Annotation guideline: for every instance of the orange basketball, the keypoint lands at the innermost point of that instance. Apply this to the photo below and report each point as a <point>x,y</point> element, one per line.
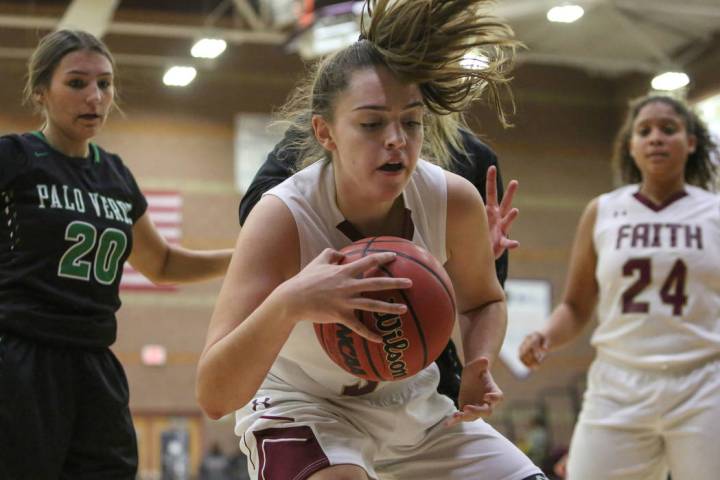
<point>411,341</point>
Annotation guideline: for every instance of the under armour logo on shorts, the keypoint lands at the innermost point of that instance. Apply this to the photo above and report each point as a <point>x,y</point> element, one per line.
<point>260,403</point>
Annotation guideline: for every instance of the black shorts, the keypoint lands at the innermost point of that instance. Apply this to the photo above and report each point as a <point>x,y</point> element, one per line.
<point>63,413</point>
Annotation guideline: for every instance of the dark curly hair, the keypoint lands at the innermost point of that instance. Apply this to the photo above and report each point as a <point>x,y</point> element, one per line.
<point>699,170</point>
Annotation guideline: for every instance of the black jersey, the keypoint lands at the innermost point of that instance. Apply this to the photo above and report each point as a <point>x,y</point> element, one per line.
<point>65,232</point>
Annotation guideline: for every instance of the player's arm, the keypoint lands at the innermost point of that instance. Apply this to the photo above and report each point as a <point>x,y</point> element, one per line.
<point>480,298</point>
<point>579,298</point>
<point>248,329</point>
<point>163,263</point>
<point>264,296</point>
<point>471,267</point>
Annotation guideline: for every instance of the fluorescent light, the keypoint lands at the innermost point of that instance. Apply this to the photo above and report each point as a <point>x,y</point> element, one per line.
<point>670,81</point>
<point>565,13</point>
<point>179,76</point>
<point>208,48</point>
<point>474,61</point>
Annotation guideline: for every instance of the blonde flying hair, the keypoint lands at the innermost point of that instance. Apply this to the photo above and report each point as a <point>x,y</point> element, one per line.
<point>421,42</point>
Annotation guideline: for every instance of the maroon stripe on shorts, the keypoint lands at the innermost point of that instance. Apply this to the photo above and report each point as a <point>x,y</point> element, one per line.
<point>290,453</point>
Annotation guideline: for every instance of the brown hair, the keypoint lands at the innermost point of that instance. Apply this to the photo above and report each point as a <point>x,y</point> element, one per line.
<point>422,42</point>
<point>51,49</point>
<point>699,169</point>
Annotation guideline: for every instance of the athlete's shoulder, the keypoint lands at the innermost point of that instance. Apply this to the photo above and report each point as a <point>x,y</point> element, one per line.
<point>111,162</point>
<point>701,200</point>
<point>463,199</point>
<point>19,144</point>
<point>10,146</point>
<point>429,173</point>
<point>615,198</point>
<point>103,156</point>
<point>701,193</point>
<point>15,151</point>
<point>622,192</point>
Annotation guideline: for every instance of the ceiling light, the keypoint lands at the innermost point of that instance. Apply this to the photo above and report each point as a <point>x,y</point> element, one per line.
<point>565,13</point>
<point>670,81</point>
<point>208,48</point>
<point>179,76</point>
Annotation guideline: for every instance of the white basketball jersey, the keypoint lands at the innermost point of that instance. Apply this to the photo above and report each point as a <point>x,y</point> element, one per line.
<point>310,196</point>
<point>658,270</point>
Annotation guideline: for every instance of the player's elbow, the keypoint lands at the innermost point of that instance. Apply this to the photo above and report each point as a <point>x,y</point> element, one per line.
<point>210,404</point>
<point>580,313</point>
<point>154,268</point>
<point>158,278</point>
<point>213,414</point>
<point>216,395</point>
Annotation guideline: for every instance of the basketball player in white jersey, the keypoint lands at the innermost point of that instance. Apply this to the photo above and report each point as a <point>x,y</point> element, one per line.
<point>648,255</point>
<point>366,110</point>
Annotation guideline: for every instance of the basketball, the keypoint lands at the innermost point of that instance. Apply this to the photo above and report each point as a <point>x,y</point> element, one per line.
<point>411,341</point>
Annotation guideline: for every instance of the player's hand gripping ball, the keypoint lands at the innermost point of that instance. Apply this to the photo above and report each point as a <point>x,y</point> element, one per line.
<point>410,342</point>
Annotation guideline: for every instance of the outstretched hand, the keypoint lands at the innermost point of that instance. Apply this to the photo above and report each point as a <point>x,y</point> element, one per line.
<point>500,216</point>
<point>328,292</point>
<point>478,393</point>
<point>533,349</point>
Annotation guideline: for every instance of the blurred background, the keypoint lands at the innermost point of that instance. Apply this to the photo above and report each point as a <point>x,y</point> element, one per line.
<point>194,129</point>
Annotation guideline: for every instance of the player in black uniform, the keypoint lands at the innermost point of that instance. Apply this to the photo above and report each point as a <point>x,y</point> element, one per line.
<point>473,163</point>
<point>71,215</point>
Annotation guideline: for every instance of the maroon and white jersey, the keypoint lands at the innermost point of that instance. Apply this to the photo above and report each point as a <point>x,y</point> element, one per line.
<point>310,197</point>
<point>658,271</point>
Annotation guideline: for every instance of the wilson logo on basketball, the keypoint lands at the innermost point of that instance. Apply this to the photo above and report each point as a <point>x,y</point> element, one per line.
<point>394,344</point>
<point>408,342</point>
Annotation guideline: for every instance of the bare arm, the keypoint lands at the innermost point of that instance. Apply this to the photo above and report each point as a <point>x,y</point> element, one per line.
<point>226,378</point>
<point>161,262</point>
<point>471,267</point>
<point>480,298</point>
<point>579,299</point>
<point>264,296</point>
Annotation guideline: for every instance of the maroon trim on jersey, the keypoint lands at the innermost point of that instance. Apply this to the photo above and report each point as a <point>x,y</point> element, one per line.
<point>349,230</point>
<point>654,206</point>
<point>291,453</point>
<point>275,417</point>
